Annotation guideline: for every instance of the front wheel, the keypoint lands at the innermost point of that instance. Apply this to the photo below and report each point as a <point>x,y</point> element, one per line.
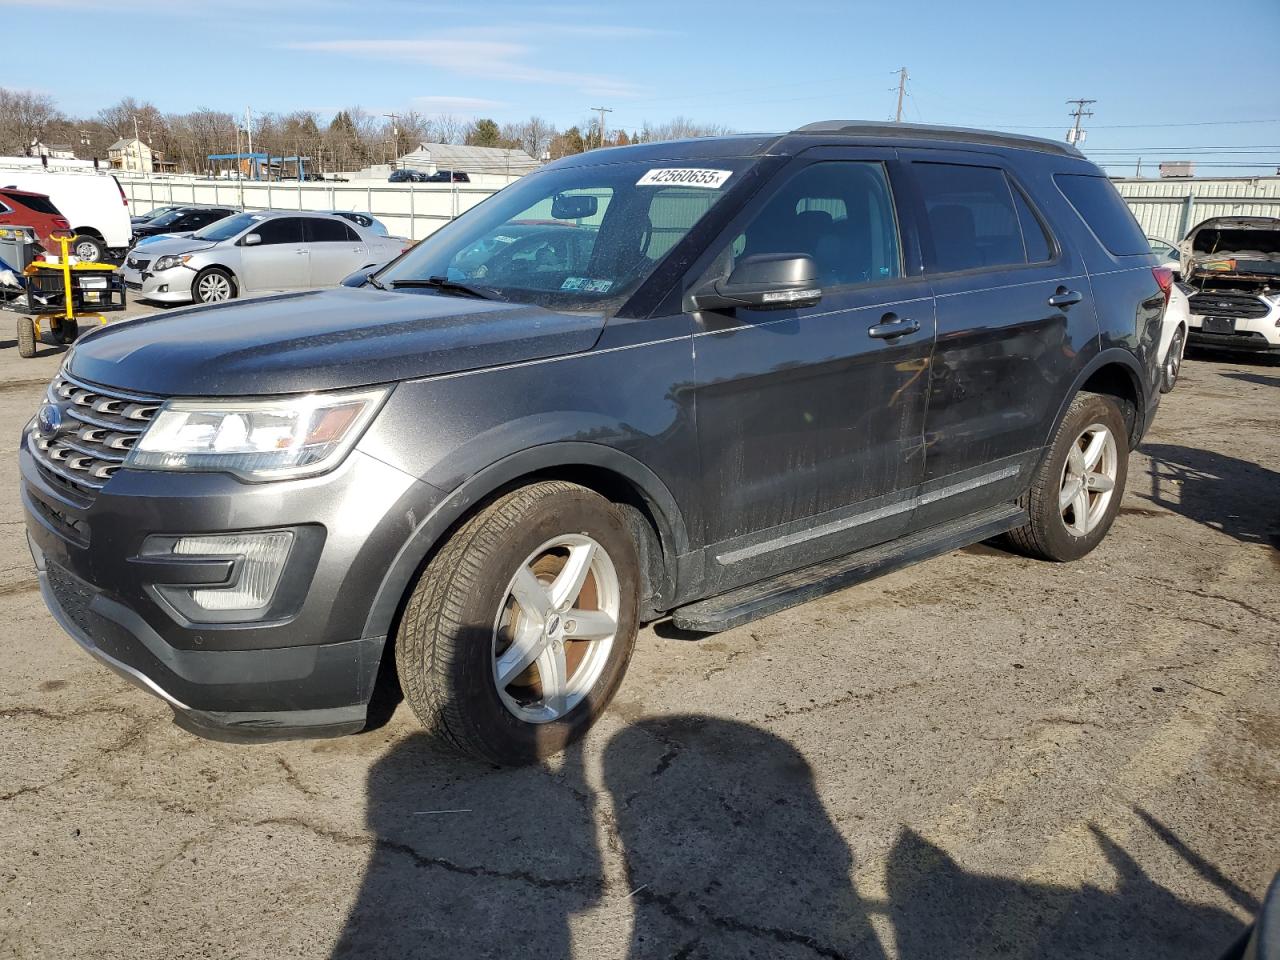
<point>518,632</point>
<point>212,285</point>
<point>26,338</point>
<point>1077,488</point>
<point>88,248</point>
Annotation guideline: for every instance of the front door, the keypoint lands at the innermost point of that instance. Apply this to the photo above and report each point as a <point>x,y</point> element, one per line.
<point>1014,307</point>
<point>280,261</point>
<point>810,421</point>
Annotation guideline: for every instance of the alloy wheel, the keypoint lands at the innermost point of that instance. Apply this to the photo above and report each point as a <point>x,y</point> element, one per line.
<point>214,288</point>
<point>1088,479</point>
<point>555,628</point>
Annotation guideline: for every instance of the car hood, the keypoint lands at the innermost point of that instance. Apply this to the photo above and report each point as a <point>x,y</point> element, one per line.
<point>160,244</point>
<point>321,340</point>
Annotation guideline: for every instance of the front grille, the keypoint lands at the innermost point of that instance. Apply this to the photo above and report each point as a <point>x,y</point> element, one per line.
<point>1241,306</point>
<point>99,429</point>
<point>72,595</point>
<point>137,263</point>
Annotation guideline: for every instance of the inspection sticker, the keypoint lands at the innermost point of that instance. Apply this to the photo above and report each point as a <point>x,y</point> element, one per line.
<point>685,177</point>
<point>586,285</point>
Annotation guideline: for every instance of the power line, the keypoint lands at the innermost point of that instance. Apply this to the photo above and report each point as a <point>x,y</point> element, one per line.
<point>902,87</point>
<point>602,111</point>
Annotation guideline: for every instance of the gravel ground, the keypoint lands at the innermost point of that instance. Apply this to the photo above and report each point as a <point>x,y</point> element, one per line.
<point>979,755</point>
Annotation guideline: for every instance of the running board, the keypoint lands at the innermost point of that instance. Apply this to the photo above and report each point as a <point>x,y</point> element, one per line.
<point>756,600</point>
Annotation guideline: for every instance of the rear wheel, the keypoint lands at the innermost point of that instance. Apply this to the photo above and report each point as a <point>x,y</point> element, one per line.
<point>88,248</point>
<point>1077,488</point>
<point>26,337</point>
<point>1172,361</point>
<point>520,629</point>
<point>212,285</point>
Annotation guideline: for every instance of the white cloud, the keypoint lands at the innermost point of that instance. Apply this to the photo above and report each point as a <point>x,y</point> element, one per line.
<point>475,53</point>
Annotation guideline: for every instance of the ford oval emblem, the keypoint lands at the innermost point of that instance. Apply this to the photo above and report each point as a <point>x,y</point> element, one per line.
<point>49,420</point>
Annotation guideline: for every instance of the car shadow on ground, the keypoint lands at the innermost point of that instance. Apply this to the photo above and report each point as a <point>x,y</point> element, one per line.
<point>1237,497</point>
<point>1262,379</point>
<point>728,851</point>
<point>1233,356</point>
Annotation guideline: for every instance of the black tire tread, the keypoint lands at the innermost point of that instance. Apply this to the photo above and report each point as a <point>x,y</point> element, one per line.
<point>432,624</point>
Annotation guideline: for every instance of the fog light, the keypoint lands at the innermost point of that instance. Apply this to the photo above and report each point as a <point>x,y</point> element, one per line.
<point>262,558</point>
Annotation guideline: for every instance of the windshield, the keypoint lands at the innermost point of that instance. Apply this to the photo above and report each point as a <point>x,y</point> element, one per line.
<point>166,218</point>
<point>580,238</point>
<point>228,228</point>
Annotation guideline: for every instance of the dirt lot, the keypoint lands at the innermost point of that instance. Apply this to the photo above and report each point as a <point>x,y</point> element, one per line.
<point>981,755</point>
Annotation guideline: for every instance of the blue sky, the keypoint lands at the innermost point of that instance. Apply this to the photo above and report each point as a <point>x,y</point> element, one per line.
<point>750,64</point>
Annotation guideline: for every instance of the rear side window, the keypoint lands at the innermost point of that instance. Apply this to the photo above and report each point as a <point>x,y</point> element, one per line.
<point>971,217</point>
<point>1100,206</point>
<point>38,204</point>
<point>329,231</point>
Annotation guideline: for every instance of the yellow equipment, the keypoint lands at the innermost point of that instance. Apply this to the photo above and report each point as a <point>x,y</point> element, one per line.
<point>71,287</point>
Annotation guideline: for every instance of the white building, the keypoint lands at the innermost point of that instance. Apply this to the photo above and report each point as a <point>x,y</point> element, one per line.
<point>495,161</point>
<point>54,151</point>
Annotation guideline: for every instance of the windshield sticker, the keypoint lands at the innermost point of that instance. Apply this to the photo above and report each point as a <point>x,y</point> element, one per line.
<point>586,285</point>
<point>503,239</point>
<point>685,177</point>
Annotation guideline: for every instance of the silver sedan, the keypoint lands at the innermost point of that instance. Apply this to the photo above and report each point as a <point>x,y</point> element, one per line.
<point>251,252</point>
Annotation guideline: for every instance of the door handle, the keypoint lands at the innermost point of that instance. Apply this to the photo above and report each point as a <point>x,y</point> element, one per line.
<point>891,326</point>
<point>1065,297</point>
<point>301,253</point>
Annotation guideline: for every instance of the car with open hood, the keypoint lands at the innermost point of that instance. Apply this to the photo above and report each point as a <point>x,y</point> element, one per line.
<point>705,380</point>
<point>1232,265</point>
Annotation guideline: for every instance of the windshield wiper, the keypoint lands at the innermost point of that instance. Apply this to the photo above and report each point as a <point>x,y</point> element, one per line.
<point>374,282</point>
<point>446,285</point>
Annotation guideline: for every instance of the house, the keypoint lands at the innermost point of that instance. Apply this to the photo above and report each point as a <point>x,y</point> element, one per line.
<point>131,155</point>
<point>54,151</point>
<point>430,157</point>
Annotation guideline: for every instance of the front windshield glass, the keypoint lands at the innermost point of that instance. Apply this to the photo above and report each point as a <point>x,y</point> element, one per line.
<point>579,238</point>
<point>166,218</point>
<point>228,228</point>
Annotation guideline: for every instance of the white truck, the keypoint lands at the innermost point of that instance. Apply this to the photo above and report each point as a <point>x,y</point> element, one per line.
<point>92,201</point>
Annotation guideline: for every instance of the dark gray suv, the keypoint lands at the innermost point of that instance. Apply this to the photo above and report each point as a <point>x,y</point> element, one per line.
<point>707,379</point>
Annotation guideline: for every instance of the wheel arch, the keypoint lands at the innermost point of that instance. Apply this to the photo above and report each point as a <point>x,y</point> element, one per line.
<point>90,232</point>
<point>651,511</point>
<point>235,280</point>
<point>1115,373</point>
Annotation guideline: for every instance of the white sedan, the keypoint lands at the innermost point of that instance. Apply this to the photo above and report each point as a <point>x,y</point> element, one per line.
<point>250,252</point>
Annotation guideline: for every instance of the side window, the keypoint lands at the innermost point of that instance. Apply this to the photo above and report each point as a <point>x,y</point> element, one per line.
<point>839,212</point>
<point>1108,216</point>
<point>970,215</point>
<point>280,230</point>
<point>328,231</point>
<point>1034,236</point>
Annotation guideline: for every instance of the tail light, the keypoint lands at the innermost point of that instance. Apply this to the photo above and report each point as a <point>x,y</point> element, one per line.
<point>1164,277</point>
<point>61,223</point>
<point>123,198</point>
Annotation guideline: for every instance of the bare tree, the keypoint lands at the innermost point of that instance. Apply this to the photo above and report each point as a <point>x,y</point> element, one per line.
<point>24,117</point>
<point>680,128</point>
<point>447,128</point>
<point>535,136</point>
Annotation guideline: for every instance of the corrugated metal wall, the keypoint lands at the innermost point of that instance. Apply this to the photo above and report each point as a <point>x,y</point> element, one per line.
<point>1167,209</point>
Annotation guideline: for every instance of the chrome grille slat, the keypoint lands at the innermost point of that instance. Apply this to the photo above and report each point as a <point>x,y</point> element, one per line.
<point>102,425</point>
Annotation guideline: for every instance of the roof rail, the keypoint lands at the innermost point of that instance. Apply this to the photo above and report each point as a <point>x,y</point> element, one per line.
<point>928,131</point>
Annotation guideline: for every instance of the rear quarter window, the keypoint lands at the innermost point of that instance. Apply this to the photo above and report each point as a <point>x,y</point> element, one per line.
<point>1108,216</point>
<point>38,204</point>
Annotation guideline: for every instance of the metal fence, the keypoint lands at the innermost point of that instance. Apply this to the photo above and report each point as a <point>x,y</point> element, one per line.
<point>1168,209</point>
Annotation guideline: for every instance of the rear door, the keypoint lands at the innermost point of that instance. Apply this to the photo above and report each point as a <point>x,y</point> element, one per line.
<point>810,421</point>
<point>280,261</point>
<point>1014,309</point>
<point>334,250</point>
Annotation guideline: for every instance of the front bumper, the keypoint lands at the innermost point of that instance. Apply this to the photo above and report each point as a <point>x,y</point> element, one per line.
<point>1255,334</point>
<point>308,671</point>
<point>172,286</point>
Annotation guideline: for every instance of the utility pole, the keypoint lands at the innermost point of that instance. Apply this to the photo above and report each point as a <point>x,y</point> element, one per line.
<point>1138,172</point>
<point>248,129</point>
<point>602,111</point>
<point>395,132</point>
<point>1075,136</point>
<point>902,89</point>
<point>137,143</point>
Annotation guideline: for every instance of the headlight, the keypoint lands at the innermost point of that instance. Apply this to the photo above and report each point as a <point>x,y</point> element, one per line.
<point>256,439</point>
<point>169,262</point>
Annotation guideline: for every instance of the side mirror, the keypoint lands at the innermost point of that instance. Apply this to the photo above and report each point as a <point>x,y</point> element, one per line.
<point>251,240</point>
<point>574,206</point>
<point>764,281</point>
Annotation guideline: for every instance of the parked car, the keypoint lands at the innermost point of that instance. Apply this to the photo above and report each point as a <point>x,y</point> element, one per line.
<point>407,176</point>
<point>181,220</point>
<point>1174,332</point>
<point>254,251</point>
<point>1166,251</point>
<point>93,203</point>
<point>1233,267</point>
<point>153,213</point>
<point>447,176</point>
<point>788,364</point>
<point>20,208</point>
<point>366,220</point>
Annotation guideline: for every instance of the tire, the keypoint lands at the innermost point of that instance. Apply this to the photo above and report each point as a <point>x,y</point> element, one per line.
<point>26,337</point>
<point>1050,535</point>
<point>88,248</point>
<point>1172,365</point>
<point>452,641</point>
<point>67,332</point>
<point>213,285</point>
